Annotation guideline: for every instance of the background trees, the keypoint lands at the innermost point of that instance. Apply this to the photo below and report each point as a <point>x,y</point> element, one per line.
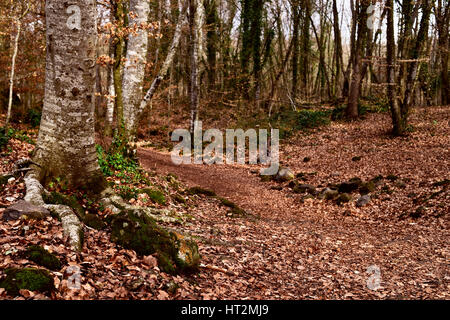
<point>244,52</point>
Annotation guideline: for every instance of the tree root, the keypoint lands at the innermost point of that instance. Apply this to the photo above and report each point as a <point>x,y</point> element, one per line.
<point>72,226</point>
<point>116,205</point>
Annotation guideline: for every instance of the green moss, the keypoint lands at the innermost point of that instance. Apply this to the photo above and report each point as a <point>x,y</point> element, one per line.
<point>178,198</point>
<point>392,177</point>
<point>4,179</point>
<point>343,198</point>
<point>235,211</point>
<point>94,221</point>
<point>155,195</point>
<point>143,235</point>
<point>201,191</point>
<point>27,278</point>
<point>43,258</point>
<point>59,198</point>
<point>367,187</point>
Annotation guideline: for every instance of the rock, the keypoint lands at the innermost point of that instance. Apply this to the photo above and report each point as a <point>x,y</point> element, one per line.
<point>278,188</point>
<point>358,158</point>
<point>11,180</point>
<point>24,208</point>
<point>363,200</point>
<point>367,187</point>
<point>305,188</point>
<point>348,187</point>
<point>292,184</point>
<point>284,174</point>
<point>392,177</point>
<point>306,159</point>
<point>42,257</point>
<point>141,234</point>
<point>328,194</point>
<point>343,198</point>
<point>27,278</point>
<point>304,198</point>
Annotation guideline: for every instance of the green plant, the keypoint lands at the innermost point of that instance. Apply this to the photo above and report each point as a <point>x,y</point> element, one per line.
<point>33,117</point>
<point>5,135</point>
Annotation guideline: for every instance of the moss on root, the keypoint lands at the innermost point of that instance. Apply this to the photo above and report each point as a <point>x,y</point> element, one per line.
<point>94,221</point>
<point>235,211</point>
<point>42,257</point>
<point>143,235</point>
<point>59,198</point>
<point>27,278</point>
<point>201,191</point>
<point>155,195</point>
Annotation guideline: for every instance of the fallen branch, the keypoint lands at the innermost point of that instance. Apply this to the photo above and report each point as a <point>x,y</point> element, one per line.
<point>214,268</point>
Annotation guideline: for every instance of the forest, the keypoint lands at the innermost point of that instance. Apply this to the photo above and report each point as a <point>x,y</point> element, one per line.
<point>224,150</point>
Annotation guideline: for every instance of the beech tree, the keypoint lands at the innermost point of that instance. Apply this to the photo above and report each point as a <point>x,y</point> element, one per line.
<point>66,145</point>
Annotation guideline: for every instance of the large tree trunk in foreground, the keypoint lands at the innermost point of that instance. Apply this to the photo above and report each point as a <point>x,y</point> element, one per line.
<point>66,144</point>
<point>134,72</point>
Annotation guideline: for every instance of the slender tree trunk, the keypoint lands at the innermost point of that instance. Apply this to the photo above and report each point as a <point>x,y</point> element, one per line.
<point>415,55</point>
<point>167,62</point>
<point>443,21</point>
<point>18,22</point>
<point>119,15</point>
<point>194,48</point>
<point>134,68</point>
<point>355,85</point>
<point>391,62</point>
<point>295,43</point>
<point>13,68</point>
<point>66,142</point>
<point>338,48</point>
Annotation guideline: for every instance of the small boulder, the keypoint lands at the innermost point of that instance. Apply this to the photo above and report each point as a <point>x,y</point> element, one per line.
<point>42,257</point>
<point>348,187</point>
<point>328,194</point>
<point>24,208</point>
<point>305,188</point>
<point>363,200</point>
<point>367,187</point>
<point>141,234</point>
<point>284,174</point>
<point>343,198</point>
<point>27,278</point>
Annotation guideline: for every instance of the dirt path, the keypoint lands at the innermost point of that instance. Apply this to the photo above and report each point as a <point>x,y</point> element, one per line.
<point>315,249</point>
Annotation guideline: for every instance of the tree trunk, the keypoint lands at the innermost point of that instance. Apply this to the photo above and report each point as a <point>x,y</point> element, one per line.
<point>194,48</point>
<point>66,141</point>
<point>134,68</point>
<point>355,85</point>
<point>391,62</point>
<point>13,68</point>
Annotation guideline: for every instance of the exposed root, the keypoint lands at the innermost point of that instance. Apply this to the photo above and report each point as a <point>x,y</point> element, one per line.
<point>72,226</point>
<point>116,205</point>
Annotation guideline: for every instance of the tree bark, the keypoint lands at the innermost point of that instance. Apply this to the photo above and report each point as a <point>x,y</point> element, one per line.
<point>391,62</point>
<point>66,142</point>
<point>134,68</point>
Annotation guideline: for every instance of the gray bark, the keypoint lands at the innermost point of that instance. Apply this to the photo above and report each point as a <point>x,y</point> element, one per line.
<point>134,69</point>
<point>66,144</point>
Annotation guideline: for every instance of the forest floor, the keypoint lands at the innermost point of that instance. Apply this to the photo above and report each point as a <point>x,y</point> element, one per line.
<point>288,246</point>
